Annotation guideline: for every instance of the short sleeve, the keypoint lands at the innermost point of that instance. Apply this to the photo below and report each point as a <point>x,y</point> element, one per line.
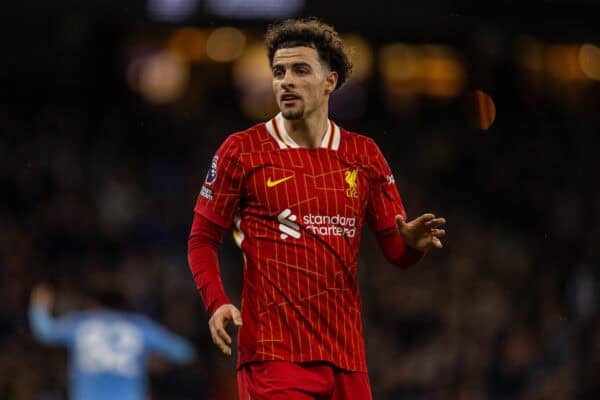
<point>220,194</point>
<point>384,201</point>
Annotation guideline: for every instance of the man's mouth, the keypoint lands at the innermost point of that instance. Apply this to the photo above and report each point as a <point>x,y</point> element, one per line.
<point>289,97</point>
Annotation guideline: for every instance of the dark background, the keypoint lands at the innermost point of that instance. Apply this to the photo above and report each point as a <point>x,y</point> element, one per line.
<point>98,184</point>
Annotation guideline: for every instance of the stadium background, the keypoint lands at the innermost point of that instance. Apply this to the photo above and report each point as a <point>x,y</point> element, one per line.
<point>110,112</point>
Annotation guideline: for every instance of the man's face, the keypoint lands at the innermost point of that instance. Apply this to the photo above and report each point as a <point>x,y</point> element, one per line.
<point>301,83</point>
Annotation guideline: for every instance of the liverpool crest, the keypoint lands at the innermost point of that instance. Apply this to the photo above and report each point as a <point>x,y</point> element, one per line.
<point>351,179</point>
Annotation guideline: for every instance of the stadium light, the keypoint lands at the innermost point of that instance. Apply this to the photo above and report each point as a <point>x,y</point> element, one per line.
<point>171,10</point>
<point>249,9</point>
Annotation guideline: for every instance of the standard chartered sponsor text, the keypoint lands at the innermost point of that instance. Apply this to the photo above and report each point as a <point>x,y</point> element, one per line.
<point>330,225</point>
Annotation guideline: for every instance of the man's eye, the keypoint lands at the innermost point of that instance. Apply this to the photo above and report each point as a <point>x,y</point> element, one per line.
<point>277,73</point>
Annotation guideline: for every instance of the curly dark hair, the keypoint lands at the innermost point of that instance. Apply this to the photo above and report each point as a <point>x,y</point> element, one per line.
<point>313,33</point>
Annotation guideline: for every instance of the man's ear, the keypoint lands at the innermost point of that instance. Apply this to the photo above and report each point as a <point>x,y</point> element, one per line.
<point>331,82</point>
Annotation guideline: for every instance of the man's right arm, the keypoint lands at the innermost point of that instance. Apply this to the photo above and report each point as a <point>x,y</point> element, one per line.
<point>204,240</point>
<point>43,325</point>
<point>217,203</point>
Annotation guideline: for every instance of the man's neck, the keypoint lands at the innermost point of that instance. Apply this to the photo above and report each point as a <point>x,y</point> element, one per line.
<point>308,131</point>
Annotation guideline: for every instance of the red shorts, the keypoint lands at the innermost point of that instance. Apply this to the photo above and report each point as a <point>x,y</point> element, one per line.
<point>280,380</point>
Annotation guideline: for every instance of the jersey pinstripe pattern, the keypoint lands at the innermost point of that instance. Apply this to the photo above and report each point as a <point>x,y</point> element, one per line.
<point>300,213</point>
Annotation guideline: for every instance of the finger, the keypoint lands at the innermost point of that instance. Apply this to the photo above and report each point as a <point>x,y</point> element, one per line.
<point>220,319</point>
<point>222,333</point>
<point>223,347</point>
<point>400,221</point>
<point>218,341</point>
<point>436,242</point>
<point>213,333</point>
<point>423,219</point>
<point>435,223</point>
<point>438,232</point>
<point>217,325</point>
<point>237,317</point>
<point>426,217</point>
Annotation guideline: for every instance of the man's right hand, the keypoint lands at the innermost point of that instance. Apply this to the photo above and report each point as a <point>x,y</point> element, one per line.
<point>219,321</point>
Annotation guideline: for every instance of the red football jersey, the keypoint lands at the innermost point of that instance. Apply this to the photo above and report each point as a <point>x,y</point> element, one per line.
<point>299,213</point>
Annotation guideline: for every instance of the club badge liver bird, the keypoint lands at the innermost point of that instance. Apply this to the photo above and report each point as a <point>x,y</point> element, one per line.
<point>351,176</point>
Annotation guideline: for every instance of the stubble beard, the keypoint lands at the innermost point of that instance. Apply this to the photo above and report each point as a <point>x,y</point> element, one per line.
<point>293,114</point>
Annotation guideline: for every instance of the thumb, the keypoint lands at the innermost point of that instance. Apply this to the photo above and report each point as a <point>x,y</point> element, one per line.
<point>400,221</point>
<point>237,317</point>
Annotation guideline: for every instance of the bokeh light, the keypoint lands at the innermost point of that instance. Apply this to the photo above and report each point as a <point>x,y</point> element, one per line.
<point>441,71</point>
<point>163,77</point>
<point>252,77</point>
<point>589,61</point>
<point>529,54</point>
<point>430,70</point>
<point>360,54</point>
<point>189,43</point>
<point>562,62</point>
<point>225,44</point>
<point>398,65</point>
<point>398,61</point>
<point>480,109</point>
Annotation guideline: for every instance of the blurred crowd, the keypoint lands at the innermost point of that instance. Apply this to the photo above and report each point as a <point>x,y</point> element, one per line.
<point>102,195</point>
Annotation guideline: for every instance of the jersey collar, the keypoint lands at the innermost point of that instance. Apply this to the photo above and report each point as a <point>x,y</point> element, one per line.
<point>276,129</point>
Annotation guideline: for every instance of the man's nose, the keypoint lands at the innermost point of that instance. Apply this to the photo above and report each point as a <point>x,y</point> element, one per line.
<point>287,81</point>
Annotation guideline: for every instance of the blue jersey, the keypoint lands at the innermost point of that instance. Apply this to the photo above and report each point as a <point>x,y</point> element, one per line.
<point>108,350</point>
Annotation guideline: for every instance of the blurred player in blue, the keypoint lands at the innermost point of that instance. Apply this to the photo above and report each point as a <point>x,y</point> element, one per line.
<point>108,349</point>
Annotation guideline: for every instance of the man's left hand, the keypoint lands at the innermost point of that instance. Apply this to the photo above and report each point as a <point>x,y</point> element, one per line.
<point>423,232</point>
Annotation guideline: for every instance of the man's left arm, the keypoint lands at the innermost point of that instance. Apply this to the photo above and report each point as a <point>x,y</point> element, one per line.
<point>403,243</point>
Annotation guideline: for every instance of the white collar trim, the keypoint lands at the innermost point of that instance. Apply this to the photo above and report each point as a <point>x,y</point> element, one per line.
<point>276,128</point>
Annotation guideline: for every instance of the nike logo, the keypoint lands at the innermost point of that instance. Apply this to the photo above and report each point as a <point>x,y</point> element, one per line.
<point>271,183</point>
